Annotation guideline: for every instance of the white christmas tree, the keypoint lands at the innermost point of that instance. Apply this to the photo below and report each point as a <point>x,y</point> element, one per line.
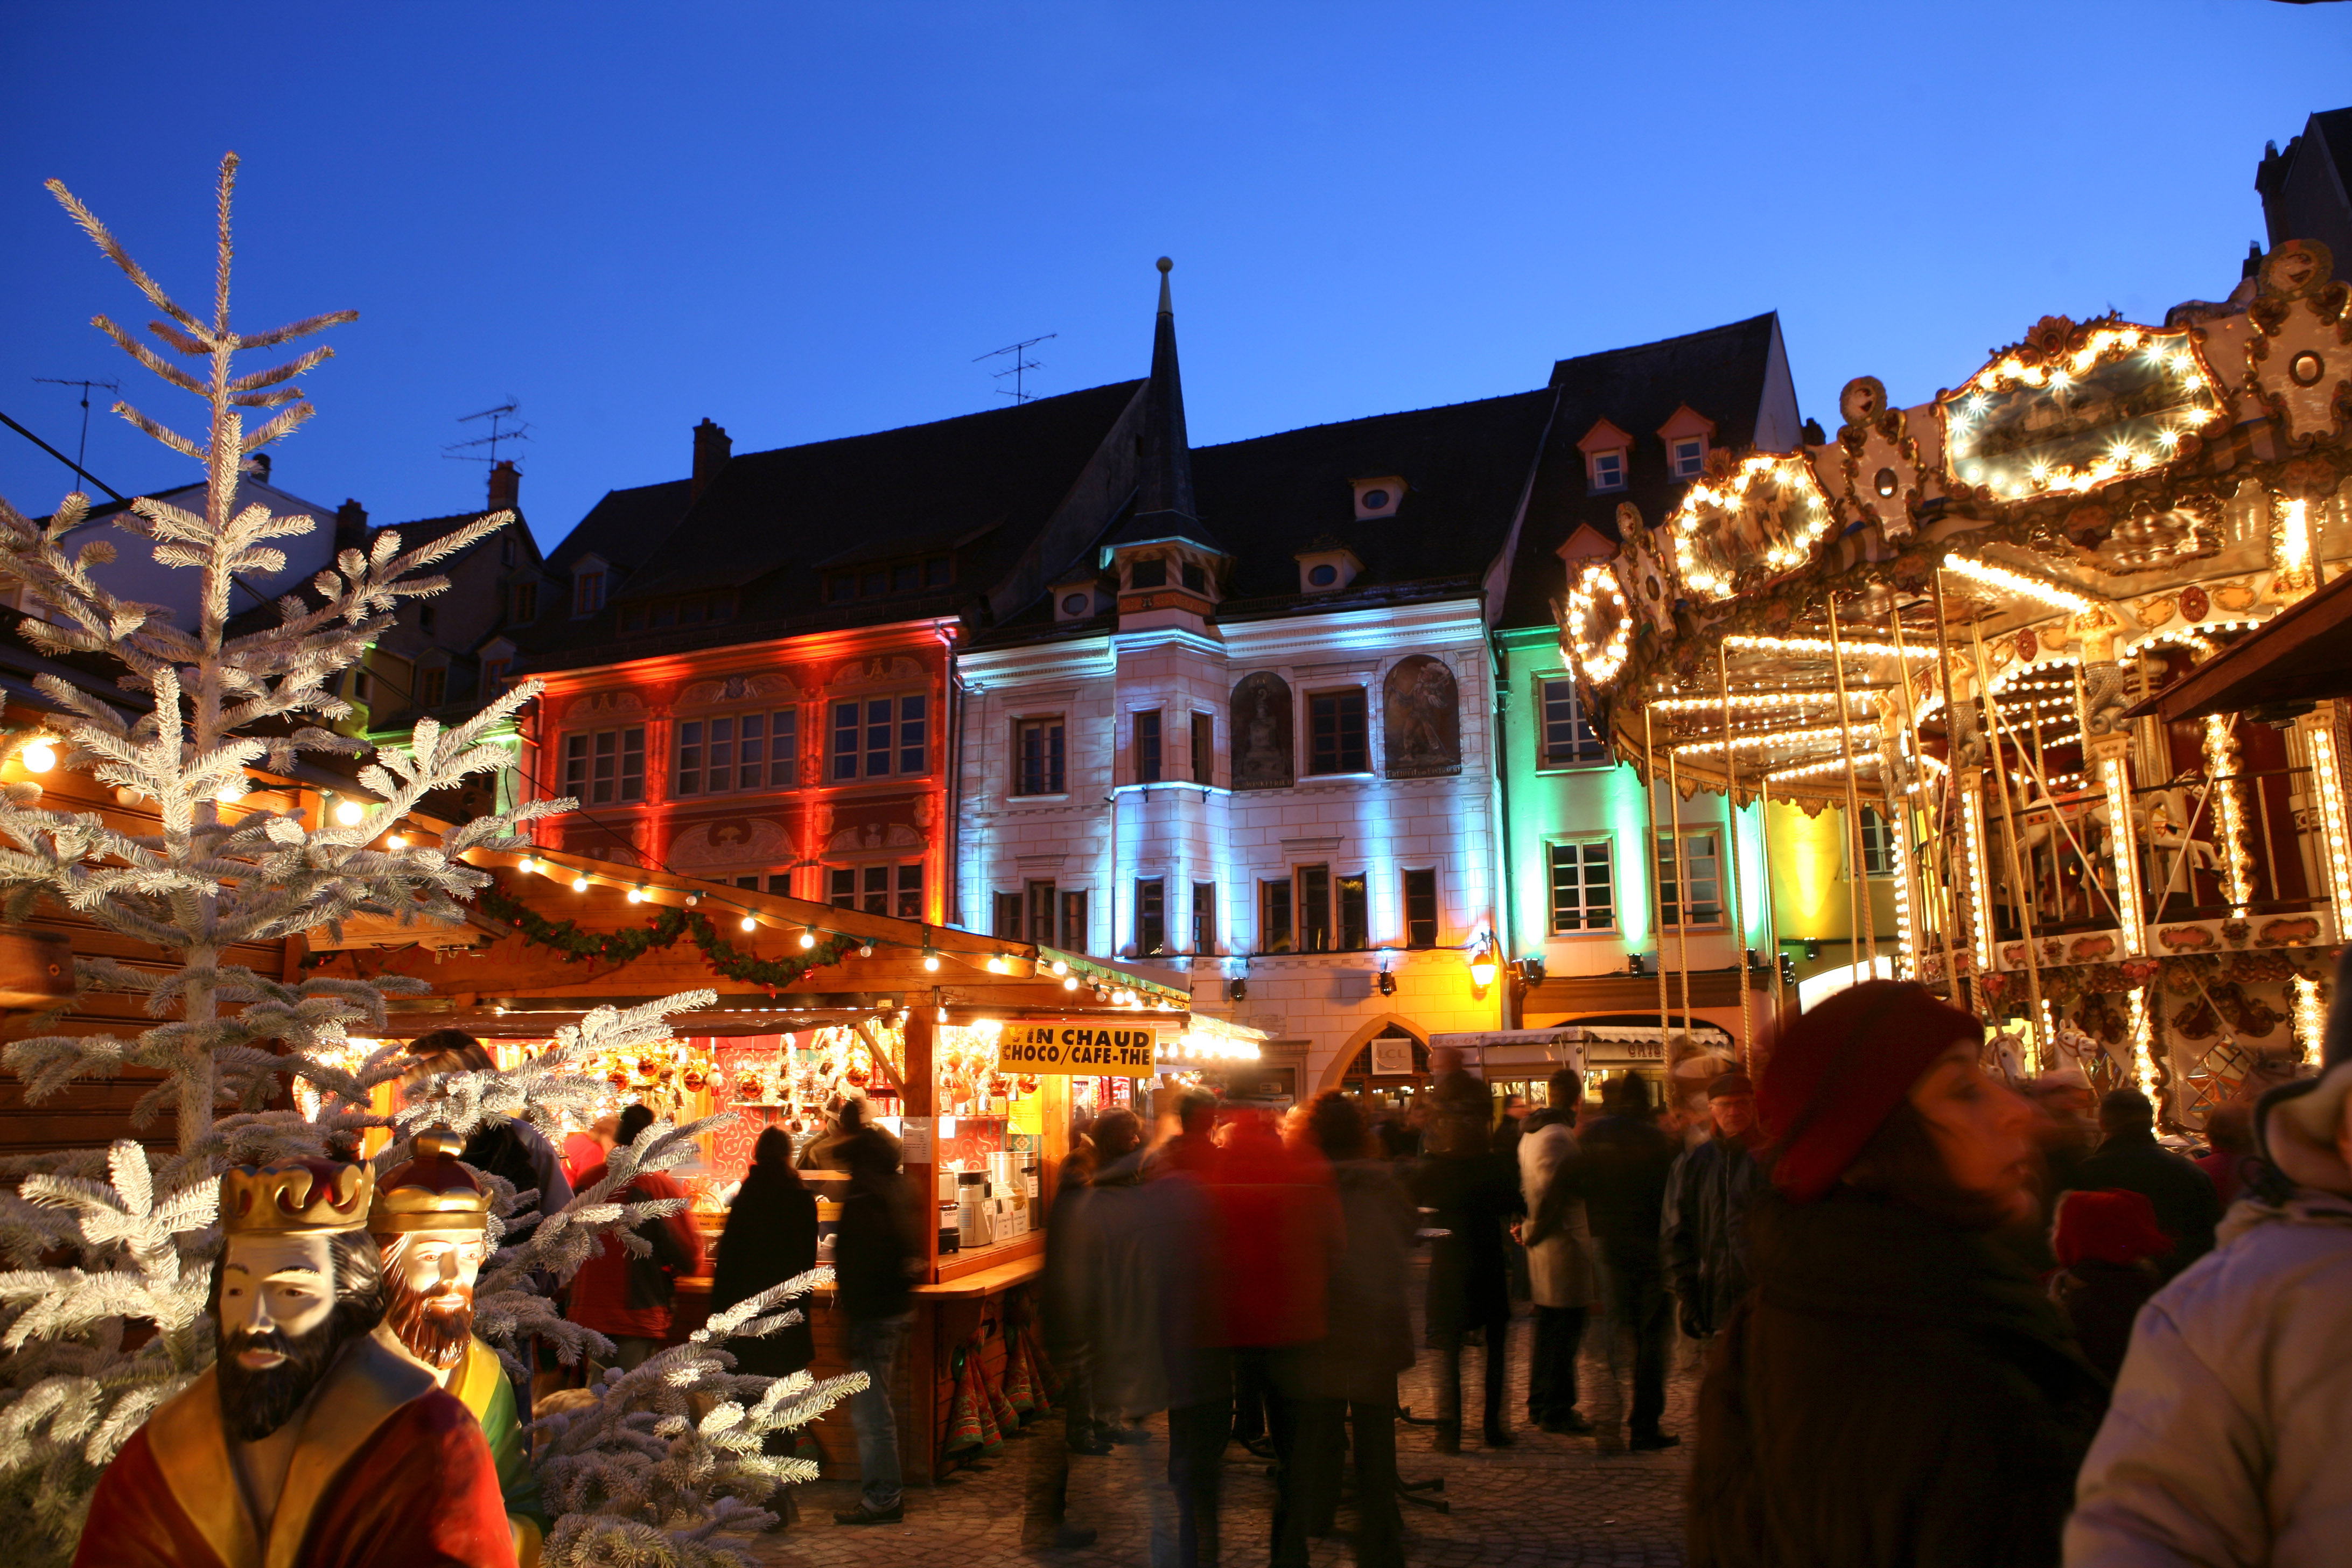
<point>665,1473</point>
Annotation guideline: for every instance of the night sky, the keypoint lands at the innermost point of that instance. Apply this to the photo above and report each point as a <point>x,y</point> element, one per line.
<point>805,222</point>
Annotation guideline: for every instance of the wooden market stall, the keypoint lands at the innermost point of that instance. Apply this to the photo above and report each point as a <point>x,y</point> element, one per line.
<point>919,1009</point>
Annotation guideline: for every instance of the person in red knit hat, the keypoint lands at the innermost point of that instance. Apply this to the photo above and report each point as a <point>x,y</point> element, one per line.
<point>2105,1241</point>
<point>1897,1389</point>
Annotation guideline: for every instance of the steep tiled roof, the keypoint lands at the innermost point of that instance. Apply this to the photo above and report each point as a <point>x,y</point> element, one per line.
<point>626,528</point>
<point>1722,374</point>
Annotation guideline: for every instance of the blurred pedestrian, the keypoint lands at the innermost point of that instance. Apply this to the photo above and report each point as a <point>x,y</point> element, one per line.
<point>769,1237</point>
<point>2069,1131</point>
<point>1471,1193</point>
<point>1897,1390</point>
<point>2105,1243</point>
<point>584,1151</point>
<point>875,1249</point>
<point>1708,1195</point>
<point>1620,1168</point>
<point>2227,1161</point>
<point>1561,1276</point>
<point>2228,1437</point>
<point>2128,1156</point>
<point>508,1147</point>
<point>629,1298</point>
<point>1351,1374</point>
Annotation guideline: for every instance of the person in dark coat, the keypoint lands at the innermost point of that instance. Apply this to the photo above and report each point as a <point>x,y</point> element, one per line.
<point>1898,1390</point>
<point>1704,1237</point>
<point>2106,1244</point>
<point>2129,1157</point>
<point>872,1248</point>
<point>770,1236</point>
<point>1471,1193</point>
<point>1620,1168</point>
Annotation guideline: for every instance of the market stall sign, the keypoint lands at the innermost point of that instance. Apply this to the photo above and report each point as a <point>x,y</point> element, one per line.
<point>1081,1050</point>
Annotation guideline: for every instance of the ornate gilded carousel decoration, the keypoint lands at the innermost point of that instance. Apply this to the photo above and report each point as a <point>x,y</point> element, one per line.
<point>1953,618</point>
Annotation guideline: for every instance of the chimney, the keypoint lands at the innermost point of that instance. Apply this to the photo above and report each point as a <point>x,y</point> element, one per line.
<point>350,526</point>
<point>506,486</point>
<point>258,465</point>
<point>711,450</point>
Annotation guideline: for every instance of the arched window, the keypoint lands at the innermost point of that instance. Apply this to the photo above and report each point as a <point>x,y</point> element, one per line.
<point>1421,715</point>
<point>1261,732</point>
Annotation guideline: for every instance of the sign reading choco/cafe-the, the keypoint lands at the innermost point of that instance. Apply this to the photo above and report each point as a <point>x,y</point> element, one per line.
<point>1080,1050</point>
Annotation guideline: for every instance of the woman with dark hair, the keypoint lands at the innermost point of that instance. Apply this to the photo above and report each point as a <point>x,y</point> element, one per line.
<point>629,1298</point>
<point>1898,1390</point>
<point>770,1236</point>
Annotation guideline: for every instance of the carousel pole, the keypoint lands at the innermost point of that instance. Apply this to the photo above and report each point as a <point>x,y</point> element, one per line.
<point>1948,906</point>
<point>2021,889</point>
<point>1682,893</point>
<point>1857,867</point>
<point>1738,905</point>
<point>1966,994</point>
<point>1657,891</point>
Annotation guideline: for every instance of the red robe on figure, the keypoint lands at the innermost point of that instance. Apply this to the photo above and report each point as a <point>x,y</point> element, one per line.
<point>391,1473</point>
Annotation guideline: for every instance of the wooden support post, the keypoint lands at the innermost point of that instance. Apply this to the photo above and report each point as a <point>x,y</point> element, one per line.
<point>917,1434</point>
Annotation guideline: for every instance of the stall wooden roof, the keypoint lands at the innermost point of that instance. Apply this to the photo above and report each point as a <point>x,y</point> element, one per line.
<point>2302,656</point>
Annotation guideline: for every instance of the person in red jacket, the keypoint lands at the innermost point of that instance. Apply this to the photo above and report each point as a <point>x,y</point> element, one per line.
<point>628,1299</point>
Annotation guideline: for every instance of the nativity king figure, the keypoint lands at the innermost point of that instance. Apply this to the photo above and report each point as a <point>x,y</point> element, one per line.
<point>309,1442</point>
<point>432,1217</point>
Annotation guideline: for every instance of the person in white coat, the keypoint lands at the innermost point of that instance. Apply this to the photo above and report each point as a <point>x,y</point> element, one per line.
<point>2229,1436</point>
<point>1559,1258</point>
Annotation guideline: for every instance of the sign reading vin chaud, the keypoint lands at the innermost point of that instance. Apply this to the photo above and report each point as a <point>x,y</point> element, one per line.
<point>1078,1050</point>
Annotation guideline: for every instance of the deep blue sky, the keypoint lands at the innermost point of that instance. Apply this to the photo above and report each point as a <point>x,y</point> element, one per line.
<point>805,221</point>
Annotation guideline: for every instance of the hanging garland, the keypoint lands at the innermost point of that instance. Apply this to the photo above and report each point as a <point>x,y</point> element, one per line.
<point>661,931</point>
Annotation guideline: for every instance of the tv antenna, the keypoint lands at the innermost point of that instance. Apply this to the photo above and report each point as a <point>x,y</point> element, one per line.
<point>1020,363</point>
<point>506,425</point>
<point>82,451</point>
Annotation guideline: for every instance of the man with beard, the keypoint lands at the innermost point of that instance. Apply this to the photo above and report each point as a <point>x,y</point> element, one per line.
<point>307,1441</point>
<point>431,1217</point>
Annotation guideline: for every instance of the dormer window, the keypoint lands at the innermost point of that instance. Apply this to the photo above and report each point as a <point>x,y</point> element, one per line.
<point>1687,436</point>
<point>1147,573</point>
<point>1607,452</point>
<point>1379,496</point>
<point>588,580</point>
<point>1322,574</point>
<point>1327,566</point>
<point>1609,470</point>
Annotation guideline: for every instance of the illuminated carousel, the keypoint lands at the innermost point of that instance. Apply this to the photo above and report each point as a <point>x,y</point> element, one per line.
<point>1960,616</point>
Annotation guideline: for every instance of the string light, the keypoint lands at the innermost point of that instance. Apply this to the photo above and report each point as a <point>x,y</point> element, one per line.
<point>2221,763</point>
<point>1972,832</point>
<point>2172,353</point>
<point>579,884</point>
<point>2048,592</point>
<point>38,758</point>
<point>808,938</point>
<point>1062,968</point>
<point>747,922</point>
<point>2291,545</point>
<point>1898,835</point>
<point>1792,476</point>
<point>637,894</point>
<point>1594,583</point>
<point>1776,738</point>
<point>2310,1018</point>
<point>2142,1043</point>
<point>1810,770</point>
<point>1755,699</point>
<point>1852,648</point>
<point>526,865</point>
<point>931,959</point>
<point>349,812</point>
<point>395,841</point>
<point>1069,982</point>
<point>2337,837</point>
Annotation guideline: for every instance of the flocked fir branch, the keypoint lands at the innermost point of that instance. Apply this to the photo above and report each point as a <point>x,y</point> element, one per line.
<point>663,1466</point>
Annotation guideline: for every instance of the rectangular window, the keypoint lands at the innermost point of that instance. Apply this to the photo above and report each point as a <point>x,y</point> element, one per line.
<point>937,572</point>
<point>841,587</point>
<point>780,884</point>
<point>1420,909</point>
<point>587,593</point>
<point>841,887</point>
<point>1148,574</point>
<point>783,749</point>
<point>1274,916</point>
<point>362,686</point>
<point>1204,917</point>
<point>525,597</point>
<point>875,890</point>
<point>1007,923</point>
<point>1569,739</point>
<point>913,735</point>
<point>1041,914</point>
<point>1354,914</point>
<point>1150,916</point>
<point>1703,869</point>
<point>845,739</point>
<point>1074,922</point>
<point>910,891</point>
<point>1336,733</point>
<point>1609,470</point>
<point>602,766</point>
<point>1147,748</point>
<point>1690,456</point>
<point>721,755</point>
<point>1582,896</point>
<point>1878,844</point>
<point>433,688</point>
<point>1314,909</point>
<point>494,674</point>
<point>1037,753</point>
<point>689,757</point>
<point>905,575</point>
<point>1204,749</point>
<point>879,736</point>
<point>749,884</point>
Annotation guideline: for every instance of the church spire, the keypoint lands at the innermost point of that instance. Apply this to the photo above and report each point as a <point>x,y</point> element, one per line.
<point>1166,481</point>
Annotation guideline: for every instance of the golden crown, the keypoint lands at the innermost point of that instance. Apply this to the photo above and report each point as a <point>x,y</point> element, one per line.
<point>432,1192</point>
<point>297,1197</point>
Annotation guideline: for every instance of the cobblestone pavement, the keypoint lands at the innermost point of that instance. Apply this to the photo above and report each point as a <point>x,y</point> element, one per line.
<point>1546,1500</point>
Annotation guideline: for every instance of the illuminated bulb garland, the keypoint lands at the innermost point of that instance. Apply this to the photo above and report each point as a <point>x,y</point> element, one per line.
<point>1755,699</point>
<point>2170,355</point>
<point>2017,582</point>
<point>1972,833</point>
<point>1707,500</point>
<point>2291,545</point>
<point>1852,648</point>
<point>2310,1018</point>
<point>2221,763</point>
<point>2130,916</point>
<point>2143,1044</point>
<point>1810,770</point>
<point>2338,839</point>
<point>1778,737</point>
<point>1601,659</point>
<point>1898,835</point>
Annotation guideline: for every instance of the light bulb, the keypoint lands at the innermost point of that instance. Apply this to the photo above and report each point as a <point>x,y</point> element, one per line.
<point>579,884</point>
<point>748,924</point>
<point>395,841</point>
<point>636,895</point>
<point>865,949</point>
<point>931,959</point>
<point>808,937</point>
<point>692,899</point>
<point>350,812</point>
<point>1482,971</point>
<point>1070,983</point>
<point>38,758</point>
<point>1062,968</point>
<point>943,1016</point>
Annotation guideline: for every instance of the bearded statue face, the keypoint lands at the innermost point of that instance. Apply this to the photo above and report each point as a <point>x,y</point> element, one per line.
<point>287,1305</point>
<point>429,1279</point>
